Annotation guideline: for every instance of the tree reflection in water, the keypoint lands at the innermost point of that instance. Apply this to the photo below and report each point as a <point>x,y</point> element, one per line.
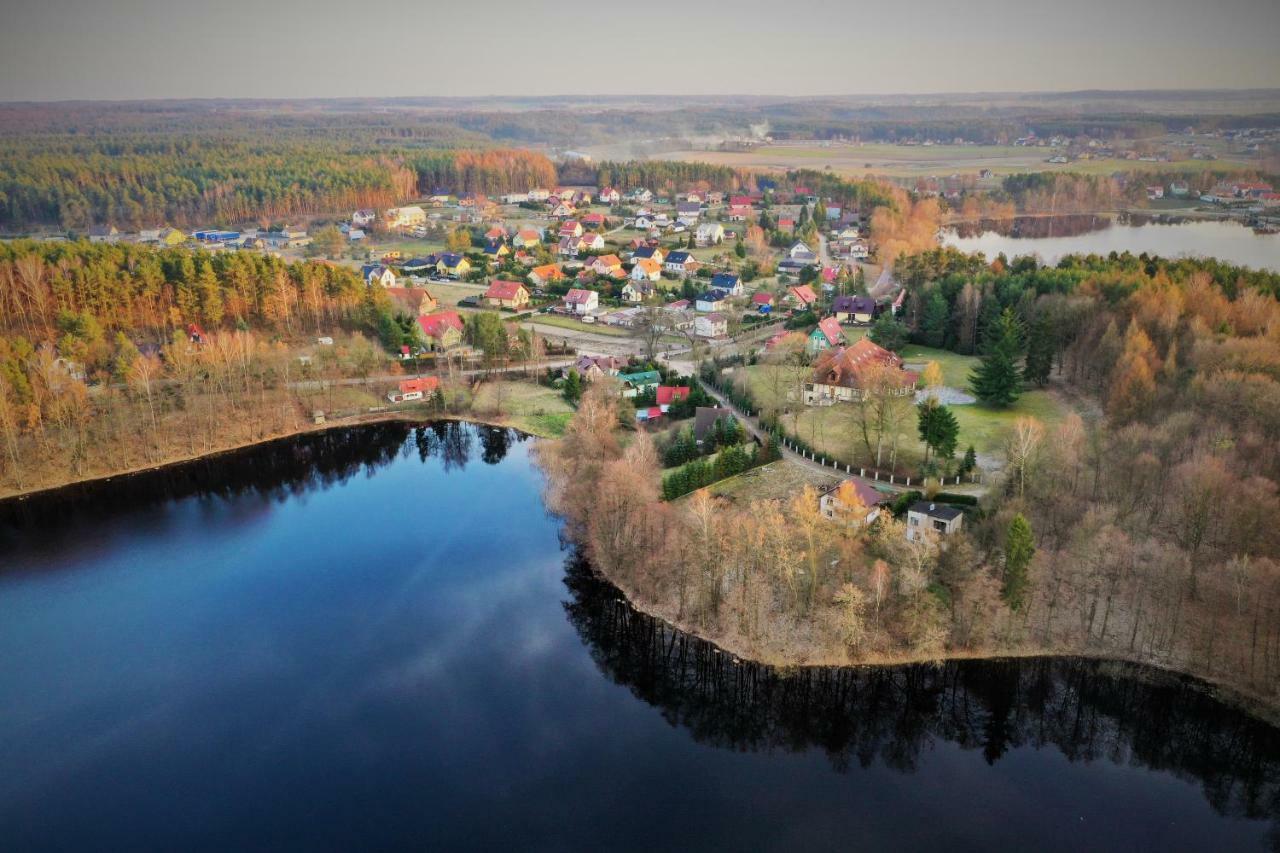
<point>1089,710</point>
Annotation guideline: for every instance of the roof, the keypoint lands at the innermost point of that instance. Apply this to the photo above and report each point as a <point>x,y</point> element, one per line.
<point>712,296</point>
<point>844,366</point>
<point>529,234</point>
<point>645,252</point>
<point>608,261</point>
<point>804,293</point>
<point>579,296</point>
<point>642,377</point>
<point>547,271</point>
<point>762,298</point>
<point>713,317</point>
<point>410,297</point>
<point>724,279</point>
<point>942,512</point>
<point>705,417</point>
<point>679,258</point>
<point>425,384</point>
<point>435,325</point>
<point>451,259</point>
<point>668,394</point>
<point>500,289</point>
<point>649,265</point>
<point>853,305</point>
<point>869,496</point>
<point>830,329</point>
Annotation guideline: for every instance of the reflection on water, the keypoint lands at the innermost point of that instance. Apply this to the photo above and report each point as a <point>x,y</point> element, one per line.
<point>1052,238</point>
<point>358,640</point>
<point>1088,710</point>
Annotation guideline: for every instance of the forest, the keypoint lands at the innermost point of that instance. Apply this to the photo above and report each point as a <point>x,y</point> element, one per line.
<point>1139,527</point>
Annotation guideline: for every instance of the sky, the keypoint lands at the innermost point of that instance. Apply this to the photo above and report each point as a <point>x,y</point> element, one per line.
<point>141,49</point>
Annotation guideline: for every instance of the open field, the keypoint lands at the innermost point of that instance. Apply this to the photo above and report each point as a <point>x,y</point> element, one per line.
<point>561,322</point>
<point>908,161</point>
<point>778,480</point>
<point>834,429</point>
<point>535,409</point>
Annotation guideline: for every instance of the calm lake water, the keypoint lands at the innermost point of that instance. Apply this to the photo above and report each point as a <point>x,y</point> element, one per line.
<point>374,639</point>
<point>1226,241</point>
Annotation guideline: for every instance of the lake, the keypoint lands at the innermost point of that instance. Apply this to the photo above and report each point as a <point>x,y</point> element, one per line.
<point>375,638</point>
<point>1227,241</point>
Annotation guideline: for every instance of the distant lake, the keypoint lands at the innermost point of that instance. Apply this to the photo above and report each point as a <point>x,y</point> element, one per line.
<point>1227,241</point>
<point>375,638</point>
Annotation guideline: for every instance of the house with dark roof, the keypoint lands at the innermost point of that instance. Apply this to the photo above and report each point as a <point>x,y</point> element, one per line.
<point>705,419</point>
<point>926,519</point>
<point>728,282</point>
<point>840,375</point>
<point>853,309</point>
<point>681,263</point>
<point>711,300</point>
<point>851,501</point>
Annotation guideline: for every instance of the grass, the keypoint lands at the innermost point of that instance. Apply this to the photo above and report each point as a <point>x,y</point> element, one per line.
<point>776,481</point>
<point>529,407</point>
<point>955,367</point>
<point>596,328</point>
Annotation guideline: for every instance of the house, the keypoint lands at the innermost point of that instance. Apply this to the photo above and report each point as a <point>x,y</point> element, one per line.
<point>853,309</point>
<point>709,234</point>
<point>103,234</point>
<point>591,242</point>
<point>639,381</point>
<point>828,334</point>
<point>705,419</point>
<point>1179,189</point>
<point>582,301</point>
<point>441,331</point>
<point>841,501</point>
<point>712,300</point>
<point>654,253</point>
<point>649,413</point>
<point>593,367</point>
<point>681,263</point>
<point>800,251</point>
<point>496,251</point>
<point>688,211</point>
<point>414,389</point>
<point>646,269</point>
<point>802,296</point>
<point>569,247</point>
<point>840,375</point>
<point>378,274</point>
<point>762,302</point>
<point>539,195</point>
<point>545,274</point>
<point>1155,192</point>
<point>562,210</point>
<point>641,195</point>
<point>526,238</point>
<point>514,198</point>
<point>740,212</point>
<point>506,294</point>
<point>571,228</point>
<point>606,265</point>
<point>405,217</point>
<point>926,519</point>
<point>593,220</point>
<point>453,265</point>
<point>668,394</point>
<point>728,282</point>
<point>609,196</point>
<point>412,301</point>
<point>637,291</point>
<point>713,325</point>
<point>363,218</point>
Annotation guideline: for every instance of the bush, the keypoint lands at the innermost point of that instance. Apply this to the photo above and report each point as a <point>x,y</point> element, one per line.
<point>957,500</point>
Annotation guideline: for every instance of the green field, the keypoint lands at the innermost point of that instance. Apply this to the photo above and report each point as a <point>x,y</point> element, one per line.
<point>533,408</point>
<point>560,322</point>
<point>834,429</point>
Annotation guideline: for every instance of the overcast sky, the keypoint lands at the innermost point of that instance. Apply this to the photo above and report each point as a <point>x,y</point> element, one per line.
<point>126,49</point>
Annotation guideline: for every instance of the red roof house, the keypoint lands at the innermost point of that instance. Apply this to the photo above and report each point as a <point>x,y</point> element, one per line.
<point>668,394</point>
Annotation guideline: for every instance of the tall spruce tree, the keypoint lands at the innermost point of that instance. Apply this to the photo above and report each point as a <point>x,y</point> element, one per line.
<point>997,380</point>
<point>1040,350</point>
<point>1019,548</point>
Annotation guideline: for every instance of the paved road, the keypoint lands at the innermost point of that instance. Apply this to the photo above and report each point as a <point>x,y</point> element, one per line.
<point>753,426</point>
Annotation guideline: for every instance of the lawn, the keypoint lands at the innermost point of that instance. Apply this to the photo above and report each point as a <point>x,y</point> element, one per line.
<point>527,406</point>
<point>955,367</point>
<point>776,481</point>
<point>578,326</point>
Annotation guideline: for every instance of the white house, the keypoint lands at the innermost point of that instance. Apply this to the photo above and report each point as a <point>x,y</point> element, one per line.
<point>709,234</point>
<point>713,325</point>
<point>637,291</point>
<point>582,301</point>
<point>406,217</point>
<point>711,300</point>
<point>926,519</point>
<point>837,503</point>
<point>680,263</point>
<point>380,275</point>
<point>363,218</point>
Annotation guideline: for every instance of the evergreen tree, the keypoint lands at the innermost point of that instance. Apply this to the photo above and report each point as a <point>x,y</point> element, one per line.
<point>888,332</point>
<point>997,381</point>
<point>1019,548</point>
<point>933,320</point>
<point>1040,350</point>
<point>938,428</point>
<point>572,388</point>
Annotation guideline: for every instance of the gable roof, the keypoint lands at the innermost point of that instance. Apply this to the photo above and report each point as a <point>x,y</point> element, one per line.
<point>705,417</point>
<point>713,296</point>
<point>942,512</point>
<point>547,271</point>
<point>844,366</point>
<point>668,394</point>
<point>830,329</point>
<point>869,496</point>
<point>579,296</point>
<point>679,258</point>
<point>762,298</point>
<point>853,305</point>
<point>425,384</point>
<point>435,325</point>
<point>649,265</point>
<point>500,289</point>
<point>724,279</point>
<point>804,293</point>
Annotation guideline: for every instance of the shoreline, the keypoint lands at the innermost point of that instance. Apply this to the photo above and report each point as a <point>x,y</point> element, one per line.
<point>404,416</point>
<point>1256,705</point>
<point>1262,707</point>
